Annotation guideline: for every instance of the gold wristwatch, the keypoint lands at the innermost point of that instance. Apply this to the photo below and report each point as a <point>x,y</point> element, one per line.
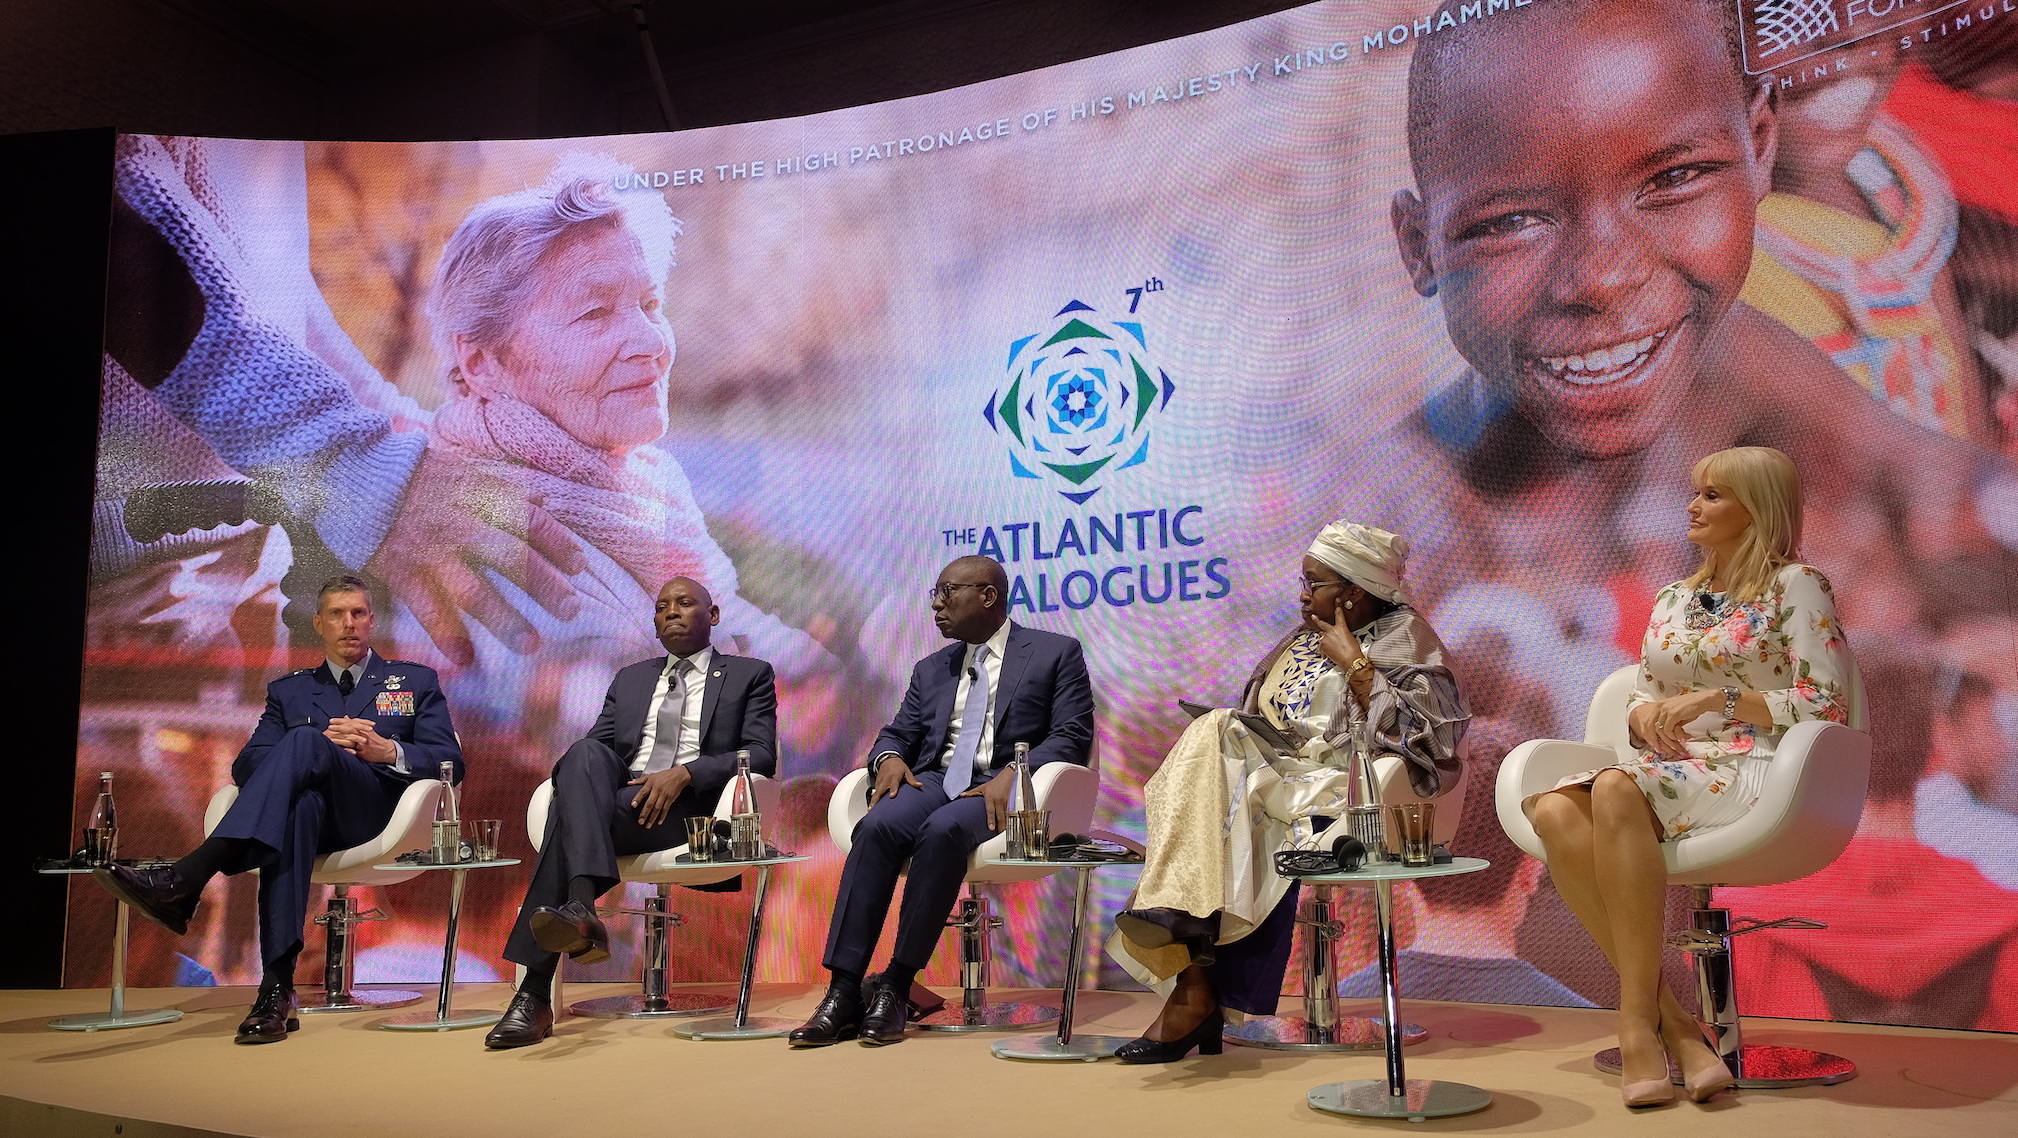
<point>1356,667</point>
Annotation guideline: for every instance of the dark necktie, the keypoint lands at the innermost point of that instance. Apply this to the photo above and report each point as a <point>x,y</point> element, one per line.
<point>671,720</point>
<point>973,718</point>
<point>344,684</point>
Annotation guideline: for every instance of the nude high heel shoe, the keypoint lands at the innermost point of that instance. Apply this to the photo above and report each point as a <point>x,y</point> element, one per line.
<point>1647,1092</point>
<point>1709,1081</point>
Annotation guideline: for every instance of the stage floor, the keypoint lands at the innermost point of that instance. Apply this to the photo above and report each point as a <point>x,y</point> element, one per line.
<point>340,1076</point>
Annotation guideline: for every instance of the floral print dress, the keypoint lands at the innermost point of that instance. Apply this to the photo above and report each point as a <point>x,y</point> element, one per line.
<point>1786,646</point>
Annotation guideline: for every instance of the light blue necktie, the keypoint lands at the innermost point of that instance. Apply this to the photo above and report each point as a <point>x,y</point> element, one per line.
<point>672,719</point>
<point>973,718</point>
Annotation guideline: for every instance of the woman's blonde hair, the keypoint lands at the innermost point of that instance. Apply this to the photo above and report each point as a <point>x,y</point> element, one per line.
<point>1765,483</point>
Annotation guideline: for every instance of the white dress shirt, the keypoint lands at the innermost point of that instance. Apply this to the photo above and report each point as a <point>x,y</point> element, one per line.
<point>690,719</point>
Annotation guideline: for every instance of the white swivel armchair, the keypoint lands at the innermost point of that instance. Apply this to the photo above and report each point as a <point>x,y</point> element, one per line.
<point>411,827</point>
<point>1069,792</point>
<point>1806,814</point>
<point>663,870</point>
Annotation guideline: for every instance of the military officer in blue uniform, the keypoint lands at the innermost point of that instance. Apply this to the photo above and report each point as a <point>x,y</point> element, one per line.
<point>333,751</point>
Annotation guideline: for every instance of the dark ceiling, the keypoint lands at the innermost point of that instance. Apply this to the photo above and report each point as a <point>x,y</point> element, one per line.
<point>414,69</point>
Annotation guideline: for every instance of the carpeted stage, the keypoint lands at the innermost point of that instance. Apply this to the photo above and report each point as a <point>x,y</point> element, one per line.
<point>340,1076</point>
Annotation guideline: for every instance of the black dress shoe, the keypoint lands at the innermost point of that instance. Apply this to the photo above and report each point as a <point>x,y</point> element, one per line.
<point>838,1017</point>
<point>153,893</point>
<point>886,1015</point>
<point>272,1016</point>
<point>1157,928</point>
<point>1208,1037</point>
<point>527,1020</point>
<point>573,929</point>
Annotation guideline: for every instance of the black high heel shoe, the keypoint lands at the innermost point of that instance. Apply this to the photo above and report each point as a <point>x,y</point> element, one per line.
<point>1208,1037</point>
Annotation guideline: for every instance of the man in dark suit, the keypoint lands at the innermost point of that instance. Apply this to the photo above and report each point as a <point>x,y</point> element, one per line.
<point>670,727</point>
<point>941,788</point>
<point>335,748</point>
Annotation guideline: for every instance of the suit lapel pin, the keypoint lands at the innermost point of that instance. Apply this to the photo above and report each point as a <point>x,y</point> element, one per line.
<point>717,673</point>
<point>392,682</point>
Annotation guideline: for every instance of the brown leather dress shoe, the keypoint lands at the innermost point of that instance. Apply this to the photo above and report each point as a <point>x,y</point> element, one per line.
<point>573,929</point>
<point>886,1015</point>
<point>272,1016</point>
<point>838,1017</point>
<point>527,1020</point>
<point>153,893</point>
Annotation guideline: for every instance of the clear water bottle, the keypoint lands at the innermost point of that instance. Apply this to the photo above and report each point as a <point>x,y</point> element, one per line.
<point>746,833</point>
<point>447,820</point>
<point>101,830</point>
<point>1022,796</point>
<point>1025,827</point>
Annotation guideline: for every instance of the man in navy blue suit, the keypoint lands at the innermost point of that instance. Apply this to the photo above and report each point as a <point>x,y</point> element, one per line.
<point>661,752</point>
<point>941,788</point>
<point>335,748</point>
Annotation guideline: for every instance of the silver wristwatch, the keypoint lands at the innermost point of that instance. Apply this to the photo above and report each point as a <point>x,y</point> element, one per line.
<point>1730,705</point>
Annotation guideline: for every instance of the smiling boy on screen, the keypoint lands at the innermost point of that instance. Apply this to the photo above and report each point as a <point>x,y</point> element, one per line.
<point>1587,176</point>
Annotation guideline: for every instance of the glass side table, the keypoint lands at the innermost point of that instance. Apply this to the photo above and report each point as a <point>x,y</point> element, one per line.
<point>1396,1096</point>
<point>740,1025</point>
<point>443,1018</point>
<point>1065,1045</point>
<point>117,1015</point>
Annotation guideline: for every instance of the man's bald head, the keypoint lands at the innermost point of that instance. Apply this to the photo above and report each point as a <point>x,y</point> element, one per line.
<point>970,600</point>
<point>685,616</point>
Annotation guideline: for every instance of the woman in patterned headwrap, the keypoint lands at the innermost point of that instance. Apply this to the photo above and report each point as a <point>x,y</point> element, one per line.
<point>1211,919</point>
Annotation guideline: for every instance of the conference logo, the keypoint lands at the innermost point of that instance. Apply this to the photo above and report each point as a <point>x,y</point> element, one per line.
<point>1074,409</point>
<point>1781,33</point>
<point>1078,400</point>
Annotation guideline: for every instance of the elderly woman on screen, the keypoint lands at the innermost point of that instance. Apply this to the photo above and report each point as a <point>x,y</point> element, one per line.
<point>547,311</point>
<point>1735,654</point>
<point>1211,919</point>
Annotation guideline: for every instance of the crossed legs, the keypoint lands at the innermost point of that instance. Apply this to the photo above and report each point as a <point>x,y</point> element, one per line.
<point>1604,857</point>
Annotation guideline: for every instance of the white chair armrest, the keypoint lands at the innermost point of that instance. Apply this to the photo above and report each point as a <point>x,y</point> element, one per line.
<point>536,814</point>
<point>219,803</point>
<point>663,865</point>
<point>847,806</point>
<point>1605,722</point>
<point>1807,812</point>
<point>1070,792</point>
<point>410,827</point>
<point>1533,767</point>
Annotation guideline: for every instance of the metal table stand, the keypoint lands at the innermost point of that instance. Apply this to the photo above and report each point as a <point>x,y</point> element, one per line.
<point>116,1015</point>
<point>740,1025</point>
<point>445,1019</point>
<point>1065,1045</point>
<point>1396,1096</point>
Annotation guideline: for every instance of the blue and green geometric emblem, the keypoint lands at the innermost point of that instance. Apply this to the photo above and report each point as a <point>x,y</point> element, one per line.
<point>1078,401</point>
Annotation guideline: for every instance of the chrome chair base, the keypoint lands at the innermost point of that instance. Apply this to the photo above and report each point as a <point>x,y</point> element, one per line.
<point>1765,1066</point>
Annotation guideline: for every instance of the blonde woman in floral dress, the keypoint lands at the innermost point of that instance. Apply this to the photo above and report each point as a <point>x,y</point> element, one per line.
<point>1735,654</point>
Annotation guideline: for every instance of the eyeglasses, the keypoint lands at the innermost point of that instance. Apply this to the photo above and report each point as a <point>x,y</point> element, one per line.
<point>1306,585</point>
<point>944,592</point>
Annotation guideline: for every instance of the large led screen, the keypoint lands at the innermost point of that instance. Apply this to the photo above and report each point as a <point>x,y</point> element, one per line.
<point>1137,326</point>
